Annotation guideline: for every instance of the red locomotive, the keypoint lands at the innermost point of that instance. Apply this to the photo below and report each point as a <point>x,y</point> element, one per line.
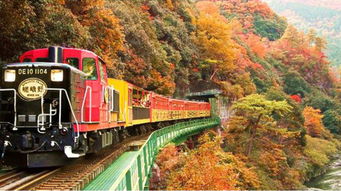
<point>58,103</point>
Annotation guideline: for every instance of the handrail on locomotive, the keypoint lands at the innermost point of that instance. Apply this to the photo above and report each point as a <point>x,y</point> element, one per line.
<point>90,104</point>
<point>61,91</point>
<point>68,149</point>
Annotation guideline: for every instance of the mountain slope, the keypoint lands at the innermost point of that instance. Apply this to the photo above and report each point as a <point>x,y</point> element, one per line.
<point>323,16</point>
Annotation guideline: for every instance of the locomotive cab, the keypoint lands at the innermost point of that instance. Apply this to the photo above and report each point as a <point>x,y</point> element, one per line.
<point>85,61</point>
<point>44,100</point>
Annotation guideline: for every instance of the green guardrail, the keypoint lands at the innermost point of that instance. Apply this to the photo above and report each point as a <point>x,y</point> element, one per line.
<point>131,171</point>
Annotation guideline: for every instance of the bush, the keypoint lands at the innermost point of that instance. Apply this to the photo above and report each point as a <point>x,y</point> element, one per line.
<point>294,84</point>
<point>272,29</point>
<point>318,150</point>
<point>320,101</point>
<point>332,121</point>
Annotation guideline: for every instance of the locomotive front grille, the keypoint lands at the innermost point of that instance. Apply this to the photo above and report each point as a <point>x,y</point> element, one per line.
<point>32,118</point>
<point>22,118</point>
<point>27,118</point>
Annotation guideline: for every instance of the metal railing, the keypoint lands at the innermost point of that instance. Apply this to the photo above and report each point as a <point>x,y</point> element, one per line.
<point>135,175</point>
<point>88,89</point>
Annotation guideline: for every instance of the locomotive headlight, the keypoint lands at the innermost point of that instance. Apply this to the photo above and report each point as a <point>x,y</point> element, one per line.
<point>9,75</point>
<point>57,75</point>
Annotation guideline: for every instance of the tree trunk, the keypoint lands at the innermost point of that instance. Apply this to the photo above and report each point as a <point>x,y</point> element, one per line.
<point>249,149</point>
<point>252,131</point>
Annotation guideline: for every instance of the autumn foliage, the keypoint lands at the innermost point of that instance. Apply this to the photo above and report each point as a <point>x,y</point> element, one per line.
<point>313,122</point>
<point>256,44</point>
<point>284,94</point>
<point>296,98</point>
<point>207,167</point>
<point>220,53</point>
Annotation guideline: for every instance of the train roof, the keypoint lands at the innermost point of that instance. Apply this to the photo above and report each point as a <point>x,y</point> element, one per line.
<point>45,51</point>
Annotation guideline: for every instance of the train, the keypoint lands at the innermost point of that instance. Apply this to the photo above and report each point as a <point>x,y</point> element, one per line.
<point>58,104</point>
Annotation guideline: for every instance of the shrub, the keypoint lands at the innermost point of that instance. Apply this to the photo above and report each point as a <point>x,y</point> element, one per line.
<point>318,150</point>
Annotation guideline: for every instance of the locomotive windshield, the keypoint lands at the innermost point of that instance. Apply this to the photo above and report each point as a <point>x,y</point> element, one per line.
<point>89,68</point>
<point>73,62</point>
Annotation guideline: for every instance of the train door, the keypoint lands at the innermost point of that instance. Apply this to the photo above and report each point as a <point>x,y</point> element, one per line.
<point>89,65</point>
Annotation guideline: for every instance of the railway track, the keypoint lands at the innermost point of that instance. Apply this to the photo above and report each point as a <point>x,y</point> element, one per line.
<point>21,180</point>
<point>71,177</point>
<point>9,177</point>
<point>74,176</point>
<point>82,171</point>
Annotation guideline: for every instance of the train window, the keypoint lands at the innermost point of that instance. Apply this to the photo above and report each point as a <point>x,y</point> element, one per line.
<point>42,60</point>
<point>115,103</point>
<point>101,70</point>
<point>73,62</point>
<point>89,68</point>
<point>136,94</point>
<point>27,60</point>
<point>130,97</point>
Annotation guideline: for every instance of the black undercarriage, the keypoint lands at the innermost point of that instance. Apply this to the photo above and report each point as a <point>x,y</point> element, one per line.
<point>25,146</point>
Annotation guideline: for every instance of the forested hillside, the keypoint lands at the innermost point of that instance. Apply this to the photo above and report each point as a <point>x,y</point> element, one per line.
<point>322,16</point>
<point>285,98</point>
